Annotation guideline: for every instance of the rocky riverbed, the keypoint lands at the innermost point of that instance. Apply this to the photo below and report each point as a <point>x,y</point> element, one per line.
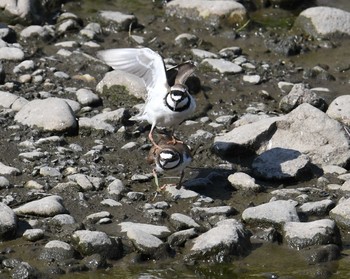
<point>267,192</point>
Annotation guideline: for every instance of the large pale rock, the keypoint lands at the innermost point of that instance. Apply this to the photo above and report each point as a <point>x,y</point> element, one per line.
<point>118,20</point>
<point>8,222</point>
<point>273,213</point>
<point>339,109</point>
<point>11,53</point>
<point>52,114</point>
<point>341,214</point>
<point>92,242</point>
<point>158,231</point>
<point>45,207</point>
<point>306,129</point>
<point>303,234</point>
<point>281,164</point>
<point>227,240</point>
<point>133,84</point>
<point>212,12</point>
<point>324,22</point>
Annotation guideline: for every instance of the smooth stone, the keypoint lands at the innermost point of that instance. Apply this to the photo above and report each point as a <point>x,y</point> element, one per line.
<point>280,164</point>
<point>52,114</point>
<point>86,97</point>
<point>45,207</point>
<point>200,53</point>
<point>271,213</point>
<point>11,54</point>
<point>228,236</point>
<point>243,181</point>
<point>339,109</point>
<point>324,22</point>
<point>210,12</point>
<point>33,234</point>
<point>7,170</point>
<point>182,221</point>
<point>300,235</point>
<point>158,231</point>
<point>318,208</point>
<point>133,84</point>
<point>8,222</point>
<point>222,66</point>
<point>88,242</point>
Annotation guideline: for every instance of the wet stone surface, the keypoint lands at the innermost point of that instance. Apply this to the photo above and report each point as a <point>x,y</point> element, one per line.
<point>269,138</point>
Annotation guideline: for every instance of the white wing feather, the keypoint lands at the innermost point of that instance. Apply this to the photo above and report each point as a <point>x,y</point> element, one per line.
<point>142,62</point>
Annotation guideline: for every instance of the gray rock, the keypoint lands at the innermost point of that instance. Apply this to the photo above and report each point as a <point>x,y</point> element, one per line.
<point>243,181</point>
<point>230,52</point>
<point>23,270</point>
<point>118,20</point>
<point>303,234</point>
<point>26,65</point>
<point>86,182</point>
<point>45,207</point>
<point>63,219</point>
<point>313,132</point>
<point>181,193</point>
<point>186,39</point>
<point>299,95</point>
<point>11,54</point>
<point>345,186</point>
<point>200,53</point>
<point>222,66</point>
<point>12,101</point>
<point>99,121</point>
<point>49,171</point>
<point>210,12</point>
<point>144,241</point>
<point>324,22</point>
<point>96,217</point>
<point>7,170</point>
<point>8,222</point>
<point>133,84</point>
<point>339,109</point>
<point>91,242</point>
<point>181,237</point>
<point>36,31</point>
<point>111,202</point>
<point>91,30</point>
<point>281,163</point>
<point>224,210</point>
<point>333,169</point>
<point>319,208</point>
<point>341,213</point>
<point>33,234</point>
<point>116,188</point>
<point>272,213</point>
<point>56,250</point>
<point>254,79</point>
<point>182,222</point>
<point>227,240</point>
<point>32,156</point>
<point>52,114</point>
<point>86,97</point>
<point>158,231</point>
<point>4,182</point>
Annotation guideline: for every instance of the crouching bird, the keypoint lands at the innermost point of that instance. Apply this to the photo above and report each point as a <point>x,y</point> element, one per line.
<point>170,158</point>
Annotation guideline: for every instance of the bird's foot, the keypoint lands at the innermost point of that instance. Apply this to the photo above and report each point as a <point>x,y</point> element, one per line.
<point>174,141</point>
